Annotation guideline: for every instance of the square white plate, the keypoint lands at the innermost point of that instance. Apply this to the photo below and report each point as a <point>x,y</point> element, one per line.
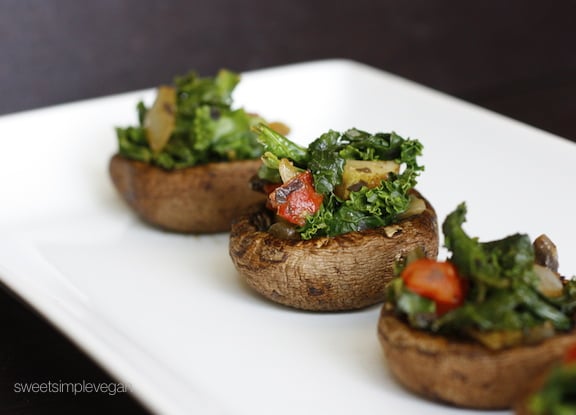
<point>167,315</point>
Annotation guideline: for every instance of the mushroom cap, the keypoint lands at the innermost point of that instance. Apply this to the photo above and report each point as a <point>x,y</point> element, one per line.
<point>199,199</point>
<point>464,373</point>
<point>344,272</point>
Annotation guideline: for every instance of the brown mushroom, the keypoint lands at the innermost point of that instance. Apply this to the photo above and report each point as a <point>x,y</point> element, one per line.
<point>200,199</point>
<point>464,373</point>
<point>343,272</point>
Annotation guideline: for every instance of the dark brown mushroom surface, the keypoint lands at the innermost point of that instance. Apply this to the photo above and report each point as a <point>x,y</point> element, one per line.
<point>200,199</point>
<point>464,373</point>
<point>343,272</point>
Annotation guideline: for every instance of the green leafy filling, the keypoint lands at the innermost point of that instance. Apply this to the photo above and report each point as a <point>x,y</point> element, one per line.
<point>502,288</point>
<point>207,128</point>
<point>325,158</point>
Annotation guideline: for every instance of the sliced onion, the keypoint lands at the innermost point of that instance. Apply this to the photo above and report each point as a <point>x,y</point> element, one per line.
<point>415,207</point>
<point>160,120</point>
<point>287,170</point>
<point>550,283</point>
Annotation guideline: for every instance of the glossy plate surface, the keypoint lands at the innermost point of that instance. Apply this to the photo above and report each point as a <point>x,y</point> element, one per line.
<point>167,315</point>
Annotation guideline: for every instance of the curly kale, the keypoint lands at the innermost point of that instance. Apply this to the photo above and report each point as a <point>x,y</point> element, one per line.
<point>207,128</point>
<point>326,156</point>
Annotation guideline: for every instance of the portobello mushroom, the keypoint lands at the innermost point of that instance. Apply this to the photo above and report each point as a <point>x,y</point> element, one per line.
<point>464,373</point>
<point>198,199</point>
<point>329,273</point>
<point>186,166</point>
<point>476,329</point>
<point>338,217</point>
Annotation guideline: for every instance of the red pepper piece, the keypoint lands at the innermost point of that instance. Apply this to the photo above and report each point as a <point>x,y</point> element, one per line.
<point>438,281</point>
<point>296,199</point>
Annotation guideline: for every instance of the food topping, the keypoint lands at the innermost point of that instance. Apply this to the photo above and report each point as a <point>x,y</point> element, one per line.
<point>342,182</point>
<point>160,120</point>
<point>364,173</point>
<point>437,281</point>
<point>296,199</point>
<point>415,207</point>
<point>493,292</point>
<point>192,122</point>
<point>546,253</point>
<point>570,355</point>
<point>549,282</point>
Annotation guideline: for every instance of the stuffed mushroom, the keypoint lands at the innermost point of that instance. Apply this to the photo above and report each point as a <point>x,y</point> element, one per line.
<point>186,165</point>
<point>473,330</point>
<point>339,215</point>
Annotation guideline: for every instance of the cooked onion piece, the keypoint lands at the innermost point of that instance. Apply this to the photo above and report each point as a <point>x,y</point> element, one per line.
<point>160,120</point>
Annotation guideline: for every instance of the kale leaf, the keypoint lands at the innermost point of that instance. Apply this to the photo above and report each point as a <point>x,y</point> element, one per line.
<point>207,128</point>
<point>326,156</point>
<point>501,295</point>
<point>502,286</point>
<point>366,208</point>
<point>280,146</point>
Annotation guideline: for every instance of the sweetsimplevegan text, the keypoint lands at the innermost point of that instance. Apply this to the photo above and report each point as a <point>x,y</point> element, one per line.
<point>109,388</point>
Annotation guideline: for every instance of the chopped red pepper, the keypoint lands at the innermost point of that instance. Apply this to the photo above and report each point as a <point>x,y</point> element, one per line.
<point>296,199</point>
<point>438,281</point>
<point>570,355</point>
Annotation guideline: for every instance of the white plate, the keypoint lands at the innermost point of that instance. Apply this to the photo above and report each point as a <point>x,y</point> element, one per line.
<point>167,315</point>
